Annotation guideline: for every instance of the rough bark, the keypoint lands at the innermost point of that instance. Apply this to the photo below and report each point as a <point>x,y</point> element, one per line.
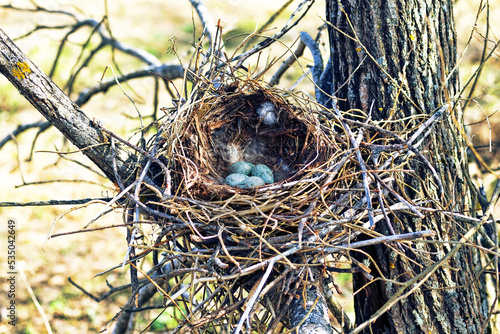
<point>313,318</point>
<point>125,322</point>
<point>401,55</point>
<point>60,111</point>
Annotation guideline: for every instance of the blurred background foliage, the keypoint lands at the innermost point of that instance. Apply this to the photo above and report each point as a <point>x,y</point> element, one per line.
<point>159,27</point>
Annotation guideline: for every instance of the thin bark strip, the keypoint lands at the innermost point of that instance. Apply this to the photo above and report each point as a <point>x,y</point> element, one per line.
<point>60,111</point>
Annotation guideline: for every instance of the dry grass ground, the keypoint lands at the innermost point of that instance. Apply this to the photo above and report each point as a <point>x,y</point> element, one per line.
<point>151,25</point>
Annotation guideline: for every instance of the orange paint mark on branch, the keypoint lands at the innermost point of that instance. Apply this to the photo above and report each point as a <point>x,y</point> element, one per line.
<point>21,69</point>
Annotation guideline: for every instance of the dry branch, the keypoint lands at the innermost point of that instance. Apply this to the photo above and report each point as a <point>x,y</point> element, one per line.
<point>59,110</point>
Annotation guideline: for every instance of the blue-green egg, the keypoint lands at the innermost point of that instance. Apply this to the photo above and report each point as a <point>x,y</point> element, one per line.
<point>264,172</point>
<point>235,179</point>
<point>252,181</point>
<point>241,167</point>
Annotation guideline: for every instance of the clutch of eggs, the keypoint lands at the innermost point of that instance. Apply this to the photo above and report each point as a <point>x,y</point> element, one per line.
<point>247,175</point>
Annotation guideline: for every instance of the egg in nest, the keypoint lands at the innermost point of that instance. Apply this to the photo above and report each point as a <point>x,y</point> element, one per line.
<point>264,172</point>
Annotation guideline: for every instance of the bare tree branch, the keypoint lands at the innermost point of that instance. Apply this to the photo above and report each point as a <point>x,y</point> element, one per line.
<point>59,110</point>
<point>54,202</point>
<point>41,125</point>
<point>270,40</point>
<point>169,72</point>
<point>313,318</point>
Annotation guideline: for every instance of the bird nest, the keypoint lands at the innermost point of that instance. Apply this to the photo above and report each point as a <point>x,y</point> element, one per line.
<point>229,126</point>
<point>254,125</point>
<point>216,239</point>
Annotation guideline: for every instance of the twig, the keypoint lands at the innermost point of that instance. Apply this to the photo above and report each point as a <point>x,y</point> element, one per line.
<point>168,72</point>
<point>299,51</point>
<point>361,163</point>
<point>24,184</point>
<point>109,203</point>
<point>398,196</point>
<point>135,147</point>
<point>104,296</point>
<point>375,156</point>
<point>217,314</point>
<point>378,240</point>
<point>270,40</point>
<point>413,147</point>
<point>54,202</point>
<point>255,296</point>
<point>38,8</point>
<point>64,214</point>
<point>208,24</point>
<point>268,23</point>
<point>97,229</point>
<point>303,220</point>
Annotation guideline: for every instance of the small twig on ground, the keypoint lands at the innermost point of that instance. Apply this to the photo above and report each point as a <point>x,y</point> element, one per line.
<point>39,308</point>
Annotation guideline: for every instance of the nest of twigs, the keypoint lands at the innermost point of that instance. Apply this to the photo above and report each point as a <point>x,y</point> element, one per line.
<point>226,128</point>
<point>231,231</point>
<point>218,239</point>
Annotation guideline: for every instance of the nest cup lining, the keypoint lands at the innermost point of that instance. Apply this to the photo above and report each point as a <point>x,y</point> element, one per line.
<point>256,127</point>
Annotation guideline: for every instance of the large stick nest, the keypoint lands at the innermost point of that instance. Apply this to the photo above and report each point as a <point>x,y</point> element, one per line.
<point>220,129</point>
<point>217,239</point>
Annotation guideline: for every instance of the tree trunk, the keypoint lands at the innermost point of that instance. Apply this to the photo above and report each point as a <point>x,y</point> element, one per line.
<point>401,55</point>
